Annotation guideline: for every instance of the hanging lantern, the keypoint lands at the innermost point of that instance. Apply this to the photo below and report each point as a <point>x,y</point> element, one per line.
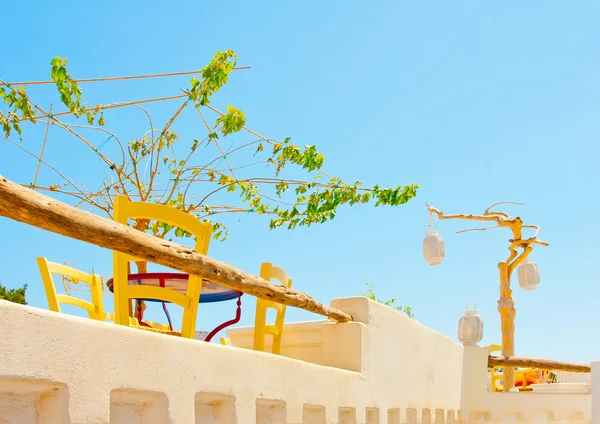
<point>470,326</point>
<point>528,274</point>
<point>433,248</point>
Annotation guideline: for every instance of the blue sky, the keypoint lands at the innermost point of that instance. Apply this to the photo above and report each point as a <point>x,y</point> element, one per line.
<point>477,103</point>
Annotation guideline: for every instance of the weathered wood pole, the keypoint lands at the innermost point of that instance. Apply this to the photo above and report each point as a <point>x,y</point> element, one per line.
<point>506,307</point>
<point>542,364</point>
<point>25,205</point>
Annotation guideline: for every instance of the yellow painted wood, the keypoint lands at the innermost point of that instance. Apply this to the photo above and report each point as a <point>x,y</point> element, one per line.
<point>159,293</point>
<point>95,309</point>
<point>494,371</point>
<point>506,304</point>
<point>133,322</point>
<point>124,209</point>
<point>261,328</point>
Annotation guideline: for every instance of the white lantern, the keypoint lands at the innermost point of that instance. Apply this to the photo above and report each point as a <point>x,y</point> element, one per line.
<point>528,274</point>
<point>433,248</point>
<point>470,326</point>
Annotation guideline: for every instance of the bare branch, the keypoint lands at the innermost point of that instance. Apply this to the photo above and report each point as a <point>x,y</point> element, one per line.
<point>519,259</point>
<point>37,171</point>
<point>114,105</point>
<point>441,215</point>
<point>80,192</point>
<point>129,77</point>
<point>537,229</point>
<point>477,229</point>
<point>503,203</point>
<point>503,220</point>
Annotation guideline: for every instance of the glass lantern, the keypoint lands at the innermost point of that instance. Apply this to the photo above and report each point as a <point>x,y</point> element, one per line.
<point>433,248</point>
<point>528,274</point>
<point>470,326</point>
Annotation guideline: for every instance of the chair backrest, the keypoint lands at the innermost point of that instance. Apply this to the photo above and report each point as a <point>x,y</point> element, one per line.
<point>493,371</point>
<point>123,210</point>
<point>95,309</point>
<point>261,328</point>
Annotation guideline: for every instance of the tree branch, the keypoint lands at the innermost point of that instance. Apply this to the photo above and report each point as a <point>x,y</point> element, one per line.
<point>477,229</point>
<point>503,220</point>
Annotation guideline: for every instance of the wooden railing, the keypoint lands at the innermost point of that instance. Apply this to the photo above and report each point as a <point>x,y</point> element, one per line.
<point>541,364</point>
<point>25,205</point>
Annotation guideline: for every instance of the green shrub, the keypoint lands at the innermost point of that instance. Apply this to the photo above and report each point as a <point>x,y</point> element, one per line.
<point>391,303</point>
<point>13,295</point>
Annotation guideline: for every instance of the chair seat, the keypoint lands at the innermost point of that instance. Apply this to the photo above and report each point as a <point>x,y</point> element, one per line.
<point>156,330</point>
<point>111,317</point>
<point>272,330</point>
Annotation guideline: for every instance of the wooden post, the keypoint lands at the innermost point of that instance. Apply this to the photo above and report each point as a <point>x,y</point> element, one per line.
<point>506,304</point>
<point>506,307</point>
<point>25,205</point>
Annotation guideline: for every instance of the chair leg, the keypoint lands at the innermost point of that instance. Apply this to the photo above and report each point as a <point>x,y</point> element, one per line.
<point>120,284</point>
<point>188,327</point>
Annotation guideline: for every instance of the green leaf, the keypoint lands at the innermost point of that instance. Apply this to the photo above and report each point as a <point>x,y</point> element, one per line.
<point>232,122</point>
<point>310,202</point>
<point>61,74</point>
<point>391,303</point>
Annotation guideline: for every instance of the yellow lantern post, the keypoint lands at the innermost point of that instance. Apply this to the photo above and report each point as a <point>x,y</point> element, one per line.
<point>506,304</point>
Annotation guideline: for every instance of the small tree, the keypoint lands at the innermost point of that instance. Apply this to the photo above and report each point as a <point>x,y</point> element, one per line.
<point>370,294</point>
<point>196,174</point>
<point>13,295</point>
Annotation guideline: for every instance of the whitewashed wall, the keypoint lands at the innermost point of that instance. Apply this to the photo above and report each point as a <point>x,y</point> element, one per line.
<point>385,367</point>
<point>480,405</point>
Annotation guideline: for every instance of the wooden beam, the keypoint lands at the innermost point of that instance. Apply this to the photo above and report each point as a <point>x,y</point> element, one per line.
<point>542,364</point>
<point>25,205</point>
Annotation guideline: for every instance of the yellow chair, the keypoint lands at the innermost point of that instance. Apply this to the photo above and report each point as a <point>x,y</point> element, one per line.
<point>261,329</point>
<point>494,370</point>
<point>124,209</point>
<point>95,309</point>
<point>521,374</point>
<point>133,322</point>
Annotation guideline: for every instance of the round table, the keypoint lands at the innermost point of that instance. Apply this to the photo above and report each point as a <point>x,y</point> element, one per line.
<point>210,293</point>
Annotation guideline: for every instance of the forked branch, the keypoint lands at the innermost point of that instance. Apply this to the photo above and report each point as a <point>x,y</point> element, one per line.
<point>502,220</point>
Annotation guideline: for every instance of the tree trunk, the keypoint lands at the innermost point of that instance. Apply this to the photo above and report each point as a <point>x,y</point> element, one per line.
<point>25,205</point>
<point>506,307</point>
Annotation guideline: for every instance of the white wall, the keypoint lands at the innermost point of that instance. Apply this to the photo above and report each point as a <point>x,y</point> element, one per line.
<point>384,367</point>
<point>596,392</point>
<point>300,340</point>
<point>56,364</point>
<point>407,364</point>
<point>480,405</point>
